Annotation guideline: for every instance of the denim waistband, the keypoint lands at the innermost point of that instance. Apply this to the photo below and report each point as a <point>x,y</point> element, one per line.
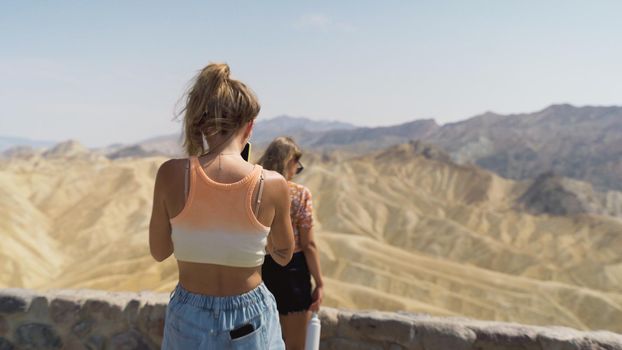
<point>255,296</point>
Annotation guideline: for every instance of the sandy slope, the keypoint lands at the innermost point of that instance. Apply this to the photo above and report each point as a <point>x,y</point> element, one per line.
<point>397,231</point>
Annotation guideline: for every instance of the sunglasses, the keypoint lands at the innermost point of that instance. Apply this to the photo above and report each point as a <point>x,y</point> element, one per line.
<point>300,167</point>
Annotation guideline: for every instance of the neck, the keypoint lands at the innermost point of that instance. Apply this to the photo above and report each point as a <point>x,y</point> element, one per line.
<point>231,146</point>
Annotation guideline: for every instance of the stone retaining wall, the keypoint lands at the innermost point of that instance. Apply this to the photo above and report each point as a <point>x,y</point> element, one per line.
<point>90,319</point>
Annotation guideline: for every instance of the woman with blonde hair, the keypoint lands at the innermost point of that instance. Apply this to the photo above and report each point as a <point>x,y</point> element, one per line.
<point>291,284</point>
<point>216,213</point>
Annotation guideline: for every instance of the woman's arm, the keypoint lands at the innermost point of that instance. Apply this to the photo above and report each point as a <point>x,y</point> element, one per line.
<point>312,257</point>
<point>309,248</point>
<point>160,242</point>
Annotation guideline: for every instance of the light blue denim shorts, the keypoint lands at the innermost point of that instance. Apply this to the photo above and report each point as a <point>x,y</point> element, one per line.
<point>197,321</point>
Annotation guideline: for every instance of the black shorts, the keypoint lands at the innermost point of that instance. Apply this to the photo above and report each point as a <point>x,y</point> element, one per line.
<point>290,284</point>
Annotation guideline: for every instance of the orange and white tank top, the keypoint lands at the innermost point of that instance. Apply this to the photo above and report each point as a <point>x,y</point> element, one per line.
<point>217,224</point>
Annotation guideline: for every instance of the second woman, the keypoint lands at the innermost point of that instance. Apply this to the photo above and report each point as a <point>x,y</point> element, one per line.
<point>291,284</point>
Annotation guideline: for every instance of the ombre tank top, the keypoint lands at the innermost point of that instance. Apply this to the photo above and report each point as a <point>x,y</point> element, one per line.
<point>217,224</point>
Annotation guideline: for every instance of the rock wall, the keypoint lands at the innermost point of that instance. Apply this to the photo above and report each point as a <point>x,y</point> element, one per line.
<point>90,319</point>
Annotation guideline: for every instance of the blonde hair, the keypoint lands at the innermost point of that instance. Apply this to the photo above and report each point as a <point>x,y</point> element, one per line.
<point>280,151</point>
<point>215,104</point>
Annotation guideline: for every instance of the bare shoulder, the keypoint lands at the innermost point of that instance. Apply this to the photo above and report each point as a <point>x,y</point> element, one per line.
<point>275,182</point>
<point>271,175</point>
<point>170,170</point>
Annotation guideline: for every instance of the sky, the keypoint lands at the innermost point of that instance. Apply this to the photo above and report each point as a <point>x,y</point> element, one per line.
<point>105,72</point>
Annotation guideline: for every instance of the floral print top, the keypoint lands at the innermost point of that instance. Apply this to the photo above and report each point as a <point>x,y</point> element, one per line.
<point>301,211</point>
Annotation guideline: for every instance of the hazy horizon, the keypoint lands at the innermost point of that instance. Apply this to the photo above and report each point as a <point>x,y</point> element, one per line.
<point>178,130</point>
<point>113,73</point>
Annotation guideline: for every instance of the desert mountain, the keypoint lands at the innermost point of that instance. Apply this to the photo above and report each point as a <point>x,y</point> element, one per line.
<point>296,127</point>
<point>583,143</point>
<point>264,132</point>
<point>364,139</point>
<point>552,194</point>
<point>401,228</point>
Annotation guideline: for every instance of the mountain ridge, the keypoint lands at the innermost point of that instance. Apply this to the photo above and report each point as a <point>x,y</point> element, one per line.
<point>583,143</point>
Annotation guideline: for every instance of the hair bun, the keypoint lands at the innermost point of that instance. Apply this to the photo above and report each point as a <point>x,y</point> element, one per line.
<point>217,71</point>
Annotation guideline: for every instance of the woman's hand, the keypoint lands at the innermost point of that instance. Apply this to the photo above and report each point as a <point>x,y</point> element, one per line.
<point>317,297</point>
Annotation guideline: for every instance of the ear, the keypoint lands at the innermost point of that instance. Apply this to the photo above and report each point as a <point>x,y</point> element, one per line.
<point>249,129</point>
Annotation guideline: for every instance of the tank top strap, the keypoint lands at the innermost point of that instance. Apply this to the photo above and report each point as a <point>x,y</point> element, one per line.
<point>257,180</point>
<point>259,191</point>
<point>252,184</point>
<point>189,176</point>
<point>194,162</point>
<point>253,203</point>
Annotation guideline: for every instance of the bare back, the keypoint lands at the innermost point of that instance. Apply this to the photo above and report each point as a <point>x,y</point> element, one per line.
<point>170,196</point>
